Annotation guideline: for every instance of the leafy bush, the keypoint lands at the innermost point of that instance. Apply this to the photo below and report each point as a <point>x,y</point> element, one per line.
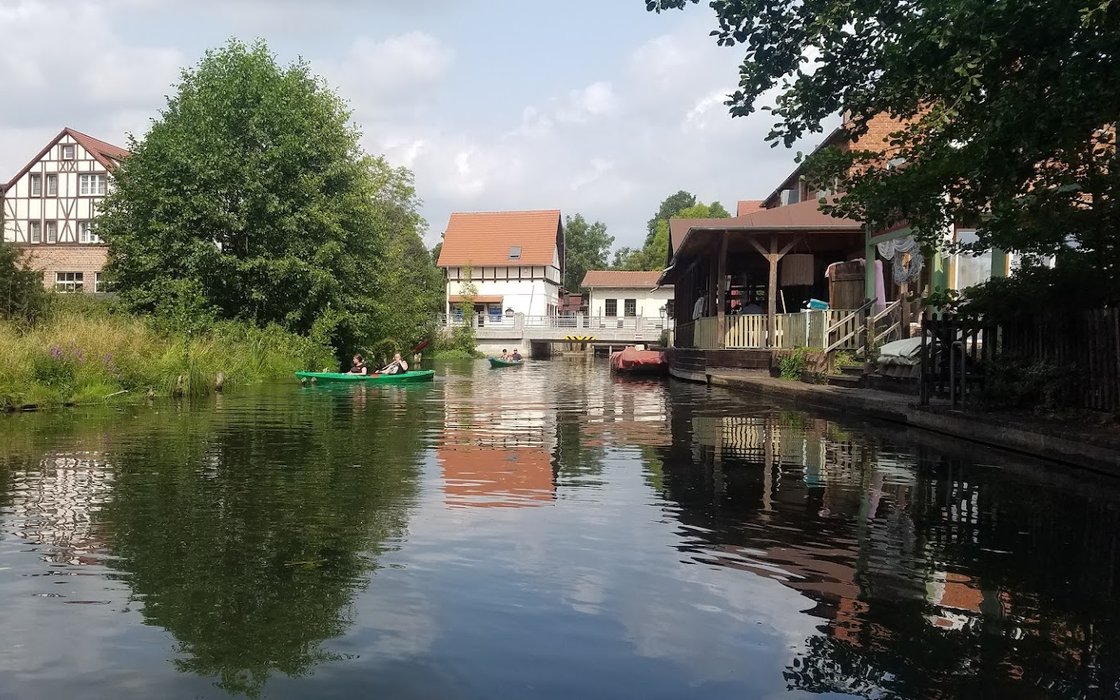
<point>22,297</point>
<point>793,364</point>
<point>1017,383</point>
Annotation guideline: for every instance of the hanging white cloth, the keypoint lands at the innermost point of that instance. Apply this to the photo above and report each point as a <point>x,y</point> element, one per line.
<point>906,258</point>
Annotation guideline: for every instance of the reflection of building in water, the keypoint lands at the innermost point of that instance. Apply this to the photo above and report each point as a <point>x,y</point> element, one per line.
<point>900,552</point>
<point>497,453</point>
<point>489,477</point>
<point>53,506</point>
<point>631,412</point>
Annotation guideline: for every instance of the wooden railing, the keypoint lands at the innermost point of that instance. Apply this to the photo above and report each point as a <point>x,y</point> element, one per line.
<point>745,332</point>
<point>887,324</point>
<point>706,334</point>
<point>846,332</point>
<point>839,329</point>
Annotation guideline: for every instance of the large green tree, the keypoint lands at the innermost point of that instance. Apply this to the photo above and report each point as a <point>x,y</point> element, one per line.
<point>652,255</point>
<point>586,248</point>
<point>250,198</point>
<point>1007,109</point>
<point>669,208</point>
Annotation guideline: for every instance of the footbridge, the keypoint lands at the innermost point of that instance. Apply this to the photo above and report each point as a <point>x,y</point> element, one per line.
<point>595,330</point>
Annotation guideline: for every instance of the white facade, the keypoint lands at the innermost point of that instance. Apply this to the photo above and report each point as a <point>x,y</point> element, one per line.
<point>641,302</point>
<point>55,200</point>
<point>507,290</point>
<point>51,205</point>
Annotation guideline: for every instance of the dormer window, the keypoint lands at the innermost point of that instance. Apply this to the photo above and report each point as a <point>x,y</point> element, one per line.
<point>68,152</point>
<point>515,252</point>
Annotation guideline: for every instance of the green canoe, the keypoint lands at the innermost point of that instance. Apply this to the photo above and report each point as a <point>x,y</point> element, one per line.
<point>496,362</point>
<point>423,375</point>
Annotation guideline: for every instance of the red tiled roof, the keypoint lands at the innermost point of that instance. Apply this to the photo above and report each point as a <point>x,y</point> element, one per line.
<point>486,238</point>
<point>748,206</point>
<point>104,153</point>
<point>621,278</point>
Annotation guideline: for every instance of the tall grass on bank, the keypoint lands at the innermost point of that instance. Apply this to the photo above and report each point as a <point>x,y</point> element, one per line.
<point>82,353</point>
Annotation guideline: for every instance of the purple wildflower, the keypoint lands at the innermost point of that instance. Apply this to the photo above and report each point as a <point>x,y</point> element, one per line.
<point>56,352</point>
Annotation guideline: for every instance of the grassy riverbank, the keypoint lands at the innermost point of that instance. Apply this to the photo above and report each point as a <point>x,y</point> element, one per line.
<point>84,353</point>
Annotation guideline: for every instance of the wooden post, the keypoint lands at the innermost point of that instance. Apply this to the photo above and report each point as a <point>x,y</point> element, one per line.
<point>869,282</point>
<point>721,281</point>
<point>904,309</point>
<point>772,294</point>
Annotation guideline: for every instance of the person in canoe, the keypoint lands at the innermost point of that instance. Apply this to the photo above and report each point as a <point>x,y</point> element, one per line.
<point>397,366</point>
<point>358,365</point>
<point>505,355</point>
<point>515,355</point>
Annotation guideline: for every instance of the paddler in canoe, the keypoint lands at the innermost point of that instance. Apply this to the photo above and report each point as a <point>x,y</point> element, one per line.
<point>397,366</point>
<point>358,365</point>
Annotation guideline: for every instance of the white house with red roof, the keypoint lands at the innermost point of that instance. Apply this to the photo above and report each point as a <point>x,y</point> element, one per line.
<point>513,259</point>
<point>622,294</point>
<point>50,209</point>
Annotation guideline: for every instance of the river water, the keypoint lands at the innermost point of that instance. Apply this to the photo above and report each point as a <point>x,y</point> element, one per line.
<point>541,532</point>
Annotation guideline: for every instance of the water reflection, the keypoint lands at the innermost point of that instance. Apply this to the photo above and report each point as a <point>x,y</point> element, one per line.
<point>244,536</point>
<point>548,532</point>
<point>915,561</point>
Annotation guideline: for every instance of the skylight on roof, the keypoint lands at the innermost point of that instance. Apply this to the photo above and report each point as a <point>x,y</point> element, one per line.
<point>515,252</point>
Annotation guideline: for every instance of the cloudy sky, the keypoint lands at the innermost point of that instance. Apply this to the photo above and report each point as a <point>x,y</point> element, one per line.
<point>589,106</point>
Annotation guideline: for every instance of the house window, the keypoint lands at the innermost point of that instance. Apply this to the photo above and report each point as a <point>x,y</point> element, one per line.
<point>35,231</point>
<point>69,281</point>
<point>971,269</point>
<point>515,252</point>
<point>91,185</point>
<point>36,185</point>
<point>630,307</point>
<point>52,185</point>
<point>68,151</point>
<point>52,231</point>
<point>86,233</point>
<point>101,283</point>
<point>610,307</point>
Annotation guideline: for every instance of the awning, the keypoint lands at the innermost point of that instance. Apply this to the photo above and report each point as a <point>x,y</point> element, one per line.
<point>480,299</point>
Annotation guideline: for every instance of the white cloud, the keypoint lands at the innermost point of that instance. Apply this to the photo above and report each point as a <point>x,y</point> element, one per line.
<point>64,64</point>
<point>610,145</point>
<point>611,149</point>
<point>581,106</point>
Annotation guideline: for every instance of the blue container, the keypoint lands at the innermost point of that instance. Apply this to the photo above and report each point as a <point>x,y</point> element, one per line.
<point>816,305</point>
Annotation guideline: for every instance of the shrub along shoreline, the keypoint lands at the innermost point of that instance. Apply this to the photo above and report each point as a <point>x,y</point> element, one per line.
<point>83,353</point>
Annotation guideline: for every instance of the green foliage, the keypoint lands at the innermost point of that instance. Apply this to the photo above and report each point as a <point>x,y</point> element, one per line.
<point>1005,110</point>
<point>84,351</point>
<point>669,208</point>
<point>250,199</point>
<point>843,358</point>
<point>22,297</point>
<point>1012,383</point>
<point>586,248</point>
<point>1075,283</point>
<point>791,366</point>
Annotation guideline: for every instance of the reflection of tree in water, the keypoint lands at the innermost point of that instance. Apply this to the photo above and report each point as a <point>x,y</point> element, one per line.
<point>247,539</point>
<point>933,577</point>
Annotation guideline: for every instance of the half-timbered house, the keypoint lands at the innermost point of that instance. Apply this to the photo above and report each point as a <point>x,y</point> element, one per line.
<point>50,208</point>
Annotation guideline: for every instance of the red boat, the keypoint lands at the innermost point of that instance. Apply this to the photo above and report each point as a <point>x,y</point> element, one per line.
<point>634,361</point>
